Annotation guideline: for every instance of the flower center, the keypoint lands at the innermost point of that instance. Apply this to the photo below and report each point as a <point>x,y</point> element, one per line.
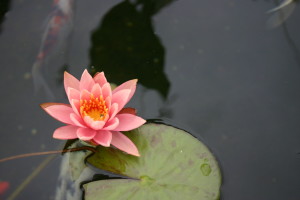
<point>94,108</point>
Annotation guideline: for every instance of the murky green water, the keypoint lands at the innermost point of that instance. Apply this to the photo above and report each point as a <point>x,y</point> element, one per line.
<point>211,67</point>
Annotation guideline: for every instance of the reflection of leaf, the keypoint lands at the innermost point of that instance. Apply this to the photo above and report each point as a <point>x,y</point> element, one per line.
<point>4,7</point>
<point>125,47</point>
<point>173,165</point>
<point>73,171</point>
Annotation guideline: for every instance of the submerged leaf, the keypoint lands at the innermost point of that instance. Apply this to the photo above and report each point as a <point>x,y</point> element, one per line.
<point>173,165</point>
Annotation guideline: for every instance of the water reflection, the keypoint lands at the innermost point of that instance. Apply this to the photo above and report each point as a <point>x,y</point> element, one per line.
<point>4,7</point>
<point>236,83</point>
<point>278,18</point>
<point>281,12</point>
<point>125,46</point>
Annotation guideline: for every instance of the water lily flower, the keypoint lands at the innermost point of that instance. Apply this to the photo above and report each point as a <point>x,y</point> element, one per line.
<point>96,113</point>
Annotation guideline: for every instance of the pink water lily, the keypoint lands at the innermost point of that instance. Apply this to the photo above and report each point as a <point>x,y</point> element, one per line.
<point>96,113</point>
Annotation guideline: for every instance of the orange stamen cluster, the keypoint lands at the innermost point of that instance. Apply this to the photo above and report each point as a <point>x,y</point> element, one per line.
<point>94,108</point>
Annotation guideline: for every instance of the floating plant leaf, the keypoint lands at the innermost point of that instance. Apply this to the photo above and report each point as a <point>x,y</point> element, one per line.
<point>173,165</point>
<point>76,160</point>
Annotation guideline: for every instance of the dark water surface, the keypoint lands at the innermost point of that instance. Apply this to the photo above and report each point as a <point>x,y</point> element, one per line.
<point>211,67</point>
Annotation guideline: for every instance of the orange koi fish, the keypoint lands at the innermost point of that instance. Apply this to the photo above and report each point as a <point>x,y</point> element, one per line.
<point>4,185</point>
<point>58,30</point>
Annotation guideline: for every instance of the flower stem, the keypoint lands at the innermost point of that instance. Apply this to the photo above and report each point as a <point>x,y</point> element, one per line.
<point>47,153</point>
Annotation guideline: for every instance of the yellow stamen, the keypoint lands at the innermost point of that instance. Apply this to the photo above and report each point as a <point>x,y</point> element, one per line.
<point>95,108</point>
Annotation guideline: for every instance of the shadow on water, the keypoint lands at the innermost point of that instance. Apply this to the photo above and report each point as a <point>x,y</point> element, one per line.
<point>4,7</point>
<point>125,46</point>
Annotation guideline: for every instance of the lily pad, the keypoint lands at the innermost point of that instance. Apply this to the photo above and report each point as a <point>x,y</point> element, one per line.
<point>76,160</point>
<point>173,165</point>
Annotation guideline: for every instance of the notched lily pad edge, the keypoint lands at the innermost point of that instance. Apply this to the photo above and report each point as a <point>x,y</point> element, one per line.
<point>112,175</point>
<point>191,132</point>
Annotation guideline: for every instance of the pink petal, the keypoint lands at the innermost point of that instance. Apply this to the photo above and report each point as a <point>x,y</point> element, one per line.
<point>120,98</point>
<point>59,111</point>
<point>131,85</point>
<point>85,133</point>
<point>73,94</point>
<point>103,138</point>
<point>75,106</point>
<point>86,81</point>
<point>113,110</point>
<point>100,79</point>
<point>124,143</point>
<point>96,91</point>
<point>65,132</point>
<point>128,122</point>
<point>93,124</point>
<point>85,95</point>
<point>77,121</point>
<point>70,81</point>
<point>108,102</point>
<point>106,90</point>
<point>112,124</point>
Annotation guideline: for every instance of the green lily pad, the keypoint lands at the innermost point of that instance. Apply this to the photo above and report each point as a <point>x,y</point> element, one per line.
<point>76,160</point>
<point>173,165</point>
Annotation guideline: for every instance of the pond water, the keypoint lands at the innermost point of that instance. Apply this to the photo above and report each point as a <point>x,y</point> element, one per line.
<point>210,67</point>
